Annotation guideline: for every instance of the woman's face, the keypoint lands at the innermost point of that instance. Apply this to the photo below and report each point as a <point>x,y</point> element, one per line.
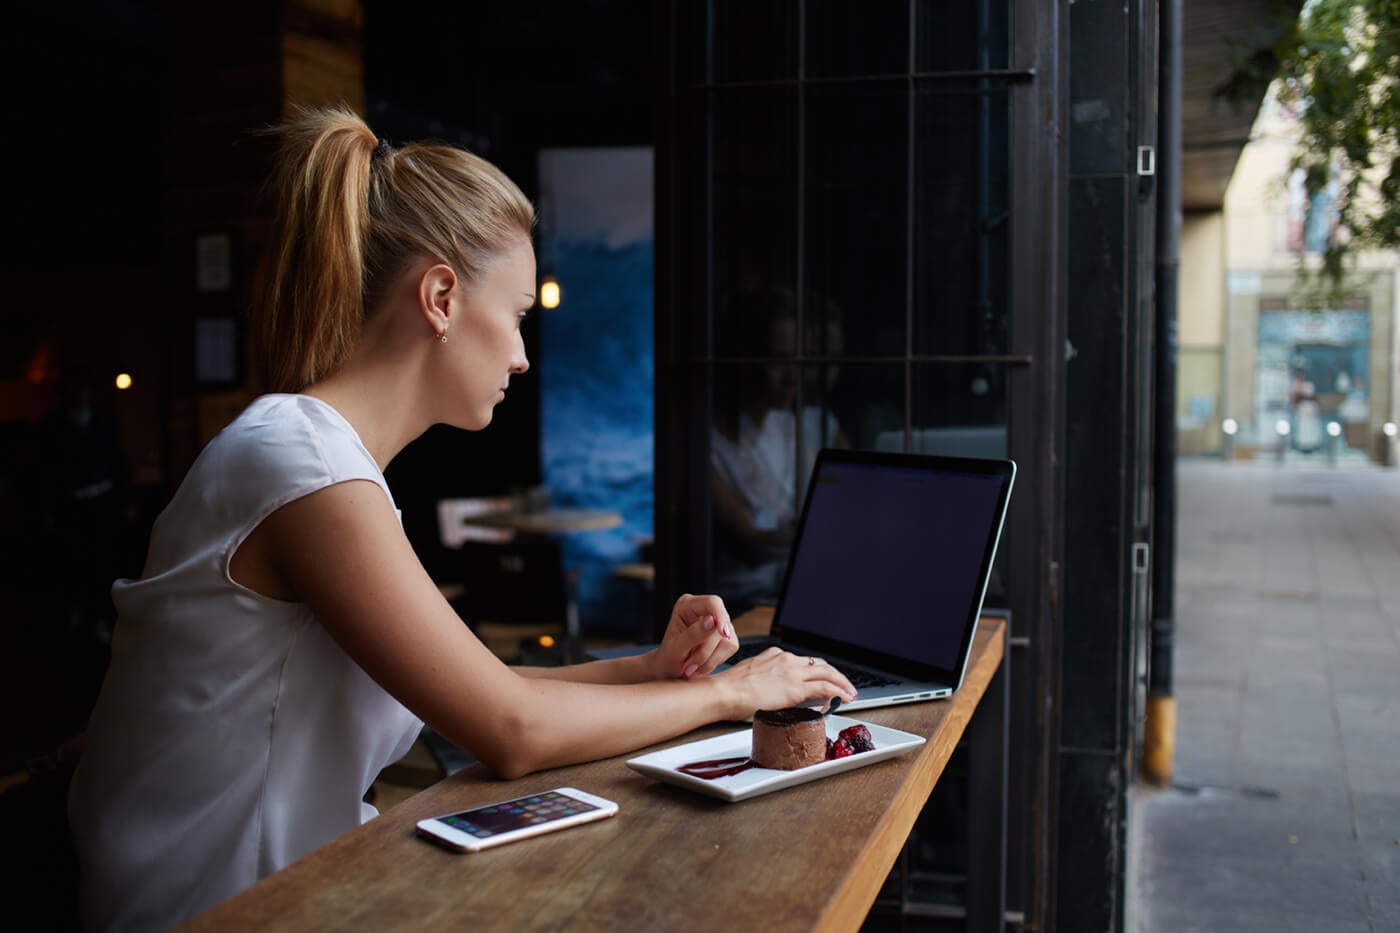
<point>484,336</point>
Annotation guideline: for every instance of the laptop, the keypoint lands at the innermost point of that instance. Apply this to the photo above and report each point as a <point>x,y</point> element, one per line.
<point>888,571</point>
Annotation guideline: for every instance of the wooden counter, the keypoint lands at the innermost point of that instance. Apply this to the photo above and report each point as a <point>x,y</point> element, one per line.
<point>811,857</point>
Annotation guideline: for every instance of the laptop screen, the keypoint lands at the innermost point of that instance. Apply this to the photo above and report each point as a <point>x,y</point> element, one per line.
<point>893,553</point>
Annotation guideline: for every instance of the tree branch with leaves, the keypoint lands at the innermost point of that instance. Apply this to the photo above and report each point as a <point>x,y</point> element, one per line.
<point>1338,70</point>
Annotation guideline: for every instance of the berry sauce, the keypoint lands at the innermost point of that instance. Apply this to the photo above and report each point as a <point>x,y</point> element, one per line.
<point>718,768</point>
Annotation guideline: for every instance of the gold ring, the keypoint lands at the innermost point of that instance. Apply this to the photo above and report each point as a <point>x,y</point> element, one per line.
<point>811,661</point>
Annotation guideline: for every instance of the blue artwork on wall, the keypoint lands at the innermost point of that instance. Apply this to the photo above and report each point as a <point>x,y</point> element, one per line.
<point>597,362</point>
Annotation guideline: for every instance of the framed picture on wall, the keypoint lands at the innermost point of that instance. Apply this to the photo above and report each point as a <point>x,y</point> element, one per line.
<point>213,263</point>
<point>218,351</point>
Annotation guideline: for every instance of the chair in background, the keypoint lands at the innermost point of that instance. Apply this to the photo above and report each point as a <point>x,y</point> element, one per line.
<point>641,576</point>
<point>517,596</point>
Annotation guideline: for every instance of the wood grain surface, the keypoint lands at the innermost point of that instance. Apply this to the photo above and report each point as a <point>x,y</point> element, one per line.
<point>811,857</point>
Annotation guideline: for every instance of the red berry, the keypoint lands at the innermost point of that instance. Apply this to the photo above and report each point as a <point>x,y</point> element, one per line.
<point>858,738</point>
<point>841,748</point>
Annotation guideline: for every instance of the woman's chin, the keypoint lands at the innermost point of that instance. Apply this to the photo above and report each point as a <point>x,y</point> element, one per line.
<point>472,423</point>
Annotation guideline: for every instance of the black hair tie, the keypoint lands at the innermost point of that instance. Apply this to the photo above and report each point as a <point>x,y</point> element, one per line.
<point>381,150</point>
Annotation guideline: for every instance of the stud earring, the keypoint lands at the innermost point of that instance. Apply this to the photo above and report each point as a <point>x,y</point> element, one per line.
<point>442,337</point>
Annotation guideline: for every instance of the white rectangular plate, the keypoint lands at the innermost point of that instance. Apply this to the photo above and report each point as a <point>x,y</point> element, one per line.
<point>756,781</point>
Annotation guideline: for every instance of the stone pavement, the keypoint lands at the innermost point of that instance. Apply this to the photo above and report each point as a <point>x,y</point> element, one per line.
<point>1284,809</point>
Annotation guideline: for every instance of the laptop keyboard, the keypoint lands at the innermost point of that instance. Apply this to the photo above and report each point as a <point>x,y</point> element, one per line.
<point>858,677</point>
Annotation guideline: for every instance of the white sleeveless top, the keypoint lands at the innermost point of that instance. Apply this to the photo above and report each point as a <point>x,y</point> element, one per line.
<point>232,734</point>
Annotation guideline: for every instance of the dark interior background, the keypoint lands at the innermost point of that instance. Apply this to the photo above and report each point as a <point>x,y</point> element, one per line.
<point>88,181</point>
<point>87,172</point>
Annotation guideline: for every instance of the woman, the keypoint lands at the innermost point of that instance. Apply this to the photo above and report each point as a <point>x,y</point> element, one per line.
<point>284,644</point>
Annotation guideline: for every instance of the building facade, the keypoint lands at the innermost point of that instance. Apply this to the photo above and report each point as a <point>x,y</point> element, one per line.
<point>1267,369</point>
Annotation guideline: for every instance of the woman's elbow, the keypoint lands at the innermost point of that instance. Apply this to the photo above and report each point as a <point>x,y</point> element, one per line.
<point>514,751</point>
<point>511,767</point>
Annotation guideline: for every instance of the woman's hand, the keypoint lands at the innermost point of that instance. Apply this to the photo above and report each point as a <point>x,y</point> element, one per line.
<point>698,639</point>
<point>777,679</point>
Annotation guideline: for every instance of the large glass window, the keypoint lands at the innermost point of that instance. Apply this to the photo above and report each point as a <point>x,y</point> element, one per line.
<point>754,40</point>
<point>875,42</point>
<point>755,211</point>
<point>962,36</point>
<point>845,254</point>
<point>859,228</point>
<point>856,207</point>
<point>962,217</point>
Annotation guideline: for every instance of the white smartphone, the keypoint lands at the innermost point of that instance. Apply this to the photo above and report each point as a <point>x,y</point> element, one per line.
<point>517,818</point>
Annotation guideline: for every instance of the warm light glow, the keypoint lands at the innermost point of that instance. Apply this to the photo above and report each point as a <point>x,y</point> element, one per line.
<point>1334,429</point>
<point>1230,426</point>
<point>546,641</point>
<point>549,293</point>
<point>123,380</point>
<point>1388,429</point>
<point>1283,427</point>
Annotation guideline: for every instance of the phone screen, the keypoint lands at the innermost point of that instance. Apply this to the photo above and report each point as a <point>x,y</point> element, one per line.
<point>520,813</point>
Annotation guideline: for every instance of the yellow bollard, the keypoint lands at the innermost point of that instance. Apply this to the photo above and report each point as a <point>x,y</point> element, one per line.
<point>1159,740</point>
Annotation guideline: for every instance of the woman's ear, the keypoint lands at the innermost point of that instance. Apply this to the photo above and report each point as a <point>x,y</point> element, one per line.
<point>435,292</point>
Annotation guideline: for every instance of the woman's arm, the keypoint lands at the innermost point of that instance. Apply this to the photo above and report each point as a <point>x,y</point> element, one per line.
<point>630,670</point>
<point>698,638</point>
<point>343,552</point>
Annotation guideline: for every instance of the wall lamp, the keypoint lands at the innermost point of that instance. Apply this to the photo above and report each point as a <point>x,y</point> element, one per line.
<point>549,292</point>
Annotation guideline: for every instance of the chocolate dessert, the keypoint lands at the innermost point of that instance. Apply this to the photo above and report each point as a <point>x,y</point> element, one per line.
<point>788,739</point>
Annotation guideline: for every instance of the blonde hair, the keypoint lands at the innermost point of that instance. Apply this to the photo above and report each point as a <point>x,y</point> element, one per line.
<point>351,213</point>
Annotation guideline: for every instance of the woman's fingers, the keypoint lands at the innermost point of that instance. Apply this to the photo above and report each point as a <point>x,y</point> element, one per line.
<point>698,637</point>
<point>827,674</point>
<point>819,675</point>
<point>795,679</point>
<point>704,634</point>
<point>715,643</point>
<point>690,609</point>
<point>820,669</point>
<point>712,652</point>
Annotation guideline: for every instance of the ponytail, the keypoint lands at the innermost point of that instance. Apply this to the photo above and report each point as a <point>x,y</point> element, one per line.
<point>351,212</point>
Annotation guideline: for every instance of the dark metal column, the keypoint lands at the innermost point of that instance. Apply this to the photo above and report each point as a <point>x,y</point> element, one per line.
<point>988,754</point>
<point>1160,726</point>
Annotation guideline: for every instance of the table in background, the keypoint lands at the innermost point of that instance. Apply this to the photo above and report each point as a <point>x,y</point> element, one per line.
<point>812,857</point>
<point>548,520</point>
<point>553,521</point>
